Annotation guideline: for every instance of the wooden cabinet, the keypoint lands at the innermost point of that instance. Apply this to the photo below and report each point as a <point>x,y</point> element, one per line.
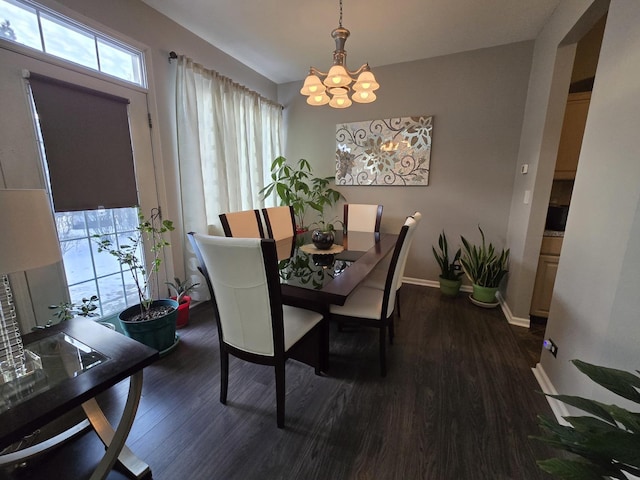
<point>546,276</point>
<point>575,118</point>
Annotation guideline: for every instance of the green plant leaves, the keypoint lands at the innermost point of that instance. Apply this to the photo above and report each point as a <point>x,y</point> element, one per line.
<point>608,441</point>
<point>482,265</point>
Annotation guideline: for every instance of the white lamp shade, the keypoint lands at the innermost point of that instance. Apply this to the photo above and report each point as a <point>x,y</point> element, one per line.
<point>337,77</point>
<point>364,97</point>
<point>312,86</point>
<point>366,82</point>
<point>318,100</point>
<point>340,101</point>
<point>28,237</point>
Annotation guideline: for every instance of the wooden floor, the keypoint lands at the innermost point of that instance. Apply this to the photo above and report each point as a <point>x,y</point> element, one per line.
<point>459,402</point>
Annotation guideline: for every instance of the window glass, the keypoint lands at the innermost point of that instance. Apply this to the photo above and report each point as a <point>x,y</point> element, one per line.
<point>119,62</point>
<point>69,40</point>
<point>19,23</point>
<point>65,41</point>
<point>90,272</point>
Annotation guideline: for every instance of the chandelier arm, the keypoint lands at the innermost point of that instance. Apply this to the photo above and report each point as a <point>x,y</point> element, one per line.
<point>315,71</point>
<point>363,68</point>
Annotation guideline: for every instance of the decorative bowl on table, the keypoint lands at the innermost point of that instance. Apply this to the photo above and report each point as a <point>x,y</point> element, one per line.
<point>322,239</point>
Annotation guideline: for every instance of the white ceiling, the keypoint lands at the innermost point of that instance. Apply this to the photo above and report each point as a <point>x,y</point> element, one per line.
<point>281,39</point>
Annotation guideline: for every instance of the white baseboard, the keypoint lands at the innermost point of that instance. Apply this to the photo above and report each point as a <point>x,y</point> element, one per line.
<point>559,409</point>
<point>513,320</point>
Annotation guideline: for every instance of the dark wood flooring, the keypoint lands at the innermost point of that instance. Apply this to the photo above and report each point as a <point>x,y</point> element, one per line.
<point>459,402</point>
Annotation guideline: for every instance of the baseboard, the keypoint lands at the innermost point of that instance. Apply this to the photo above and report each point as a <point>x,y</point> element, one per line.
<point>559,409</point>
<point>513,320</point>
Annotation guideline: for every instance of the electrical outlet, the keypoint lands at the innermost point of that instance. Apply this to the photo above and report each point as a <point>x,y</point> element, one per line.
<point>552,347</point>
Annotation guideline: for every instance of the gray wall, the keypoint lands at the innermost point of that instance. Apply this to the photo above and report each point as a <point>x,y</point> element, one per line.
<point>594,313</point>
<point>477,101</point>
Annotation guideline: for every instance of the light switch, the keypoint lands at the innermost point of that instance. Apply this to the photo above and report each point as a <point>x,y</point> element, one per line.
<point>524,169</point>
<point>527,196</point>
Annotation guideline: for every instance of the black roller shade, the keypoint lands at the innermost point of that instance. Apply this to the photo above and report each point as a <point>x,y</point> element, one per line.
<point>87,145</point>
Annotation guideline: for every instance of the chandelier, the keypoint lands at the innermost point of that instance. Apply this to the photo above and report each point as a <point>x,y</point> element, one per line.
<point>335,88</point>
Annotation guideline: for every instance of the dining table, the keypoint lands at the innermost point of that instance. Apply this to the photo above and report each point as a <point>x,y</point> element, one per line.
<point>313,277</point>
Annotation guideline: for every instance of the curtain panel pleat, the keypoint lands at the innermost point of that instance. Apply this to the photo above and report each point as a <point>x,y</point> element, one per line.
<point>87,145</point>
<point>228,136</point>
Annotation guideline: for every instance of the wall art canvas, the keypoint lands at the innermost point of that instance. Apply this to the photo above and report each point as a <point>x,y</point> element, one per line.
<point>394,151</point>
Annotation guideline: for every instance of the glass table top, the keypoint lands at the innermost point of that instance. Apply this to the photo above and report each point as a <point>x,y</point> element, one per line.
<point>49,361</point>
<point>315,270</point>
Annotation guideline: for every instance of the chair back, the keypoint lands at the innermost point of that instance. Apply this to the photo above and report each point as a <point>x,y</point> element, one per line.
<point>280,222</point>
<point>243,224</point>
<point>362,218</point>
<point>417,216</point>
<point>245,291</point>
<point>399,260</point>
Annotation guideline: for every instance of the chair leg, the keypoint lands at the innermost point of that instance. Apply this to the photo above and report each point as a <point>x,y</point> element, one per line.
<point>224,375</point>
<point>280,390</point>
<point>383,353</point>
<point>398,301</point>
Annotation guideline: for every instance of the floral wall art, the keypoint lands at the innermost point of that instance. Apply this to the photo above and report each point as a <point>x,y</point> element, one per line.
<point>394,151</point>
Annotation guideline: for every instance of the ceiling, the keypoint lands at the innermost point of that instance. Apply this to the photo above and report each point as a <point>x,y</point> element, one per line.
<point>281,39</point>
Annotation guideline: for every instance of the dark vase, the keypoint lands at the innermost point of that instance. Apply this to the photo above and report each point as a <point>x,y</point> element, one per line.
<point>322,239</point>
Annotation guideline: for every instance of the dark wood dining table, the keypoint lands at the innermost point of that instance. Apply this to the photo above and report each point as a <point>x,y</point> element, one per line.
<point>310,276</point>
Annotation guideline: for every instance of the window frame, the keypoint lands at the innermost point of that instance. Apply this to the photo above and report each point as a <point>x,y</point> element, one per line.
<point>85,25</point>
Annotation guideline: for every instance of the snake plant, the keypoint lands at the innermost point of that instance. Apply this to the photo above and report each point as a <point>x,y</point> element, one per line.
<point>482,264</point>
<point>449,269</point>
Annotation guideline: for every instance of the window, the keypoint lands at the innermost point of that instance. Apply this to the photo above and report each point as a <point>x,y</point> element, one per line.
<point>89,272</point>
<point>27,23</point>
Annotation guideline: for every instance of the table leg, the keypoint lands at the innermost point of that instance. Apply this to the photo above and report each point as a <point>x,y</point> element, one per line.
<point>115,440</point>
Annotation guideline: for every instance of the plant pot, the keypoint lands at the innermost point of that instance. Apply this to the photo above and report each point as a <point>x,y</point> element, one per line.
<point>183,311</point>
<point>484,294</point>
<point>158,333</point>
<point>450,287</point>
<point>322,239</point>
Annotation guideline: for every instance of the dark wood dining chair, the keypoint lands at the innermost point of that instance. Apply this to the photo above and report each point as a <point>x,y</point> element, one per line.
<point>242,224</point>
<point>362,218</point>
<point>378,276</point>
<point>373,307</point>
<point>253,324</point>
<point>280,222</point>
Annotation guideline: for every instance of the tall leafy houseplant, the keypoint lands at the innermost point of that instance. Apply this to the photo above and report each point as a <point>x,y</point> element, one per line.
<point>295,185</point>
<point>485,267</point>
<point>607,441</point>
<point>450,272</point>
<point>137,321</point>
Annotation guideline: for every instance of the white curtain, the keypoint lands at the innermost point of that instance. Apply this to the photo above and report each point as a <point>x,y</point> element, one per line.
<point>227,138</point>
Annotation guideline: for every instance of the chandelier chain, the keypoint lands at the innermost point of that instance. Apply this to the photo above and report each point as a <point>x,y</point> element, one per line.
<point>340,14</point>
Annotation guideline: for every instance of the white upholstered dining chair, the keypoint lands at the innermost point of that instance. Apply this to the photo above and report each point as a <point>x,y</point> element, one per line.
<point>377,278</point>
<point>374,307</point>
<point>280,222</point>
<point>253,324</point>
<point>362,218</point>
<point>242,224</point>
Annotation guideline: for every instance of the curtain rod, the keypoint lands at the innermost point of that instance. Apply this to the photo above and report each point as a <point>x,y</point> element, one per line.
<point>173,56</point>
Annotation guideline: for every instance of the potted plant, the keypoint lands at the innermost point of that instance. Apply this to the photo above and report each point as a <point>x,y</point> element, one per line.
<point>152,322</point>
<point>323,236</point>
<point>450,271</point>
<point>181,290</point>
<point>295,185</point>
<point>67,310</point>
<point>485,268</point>
<point>607,441</point>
